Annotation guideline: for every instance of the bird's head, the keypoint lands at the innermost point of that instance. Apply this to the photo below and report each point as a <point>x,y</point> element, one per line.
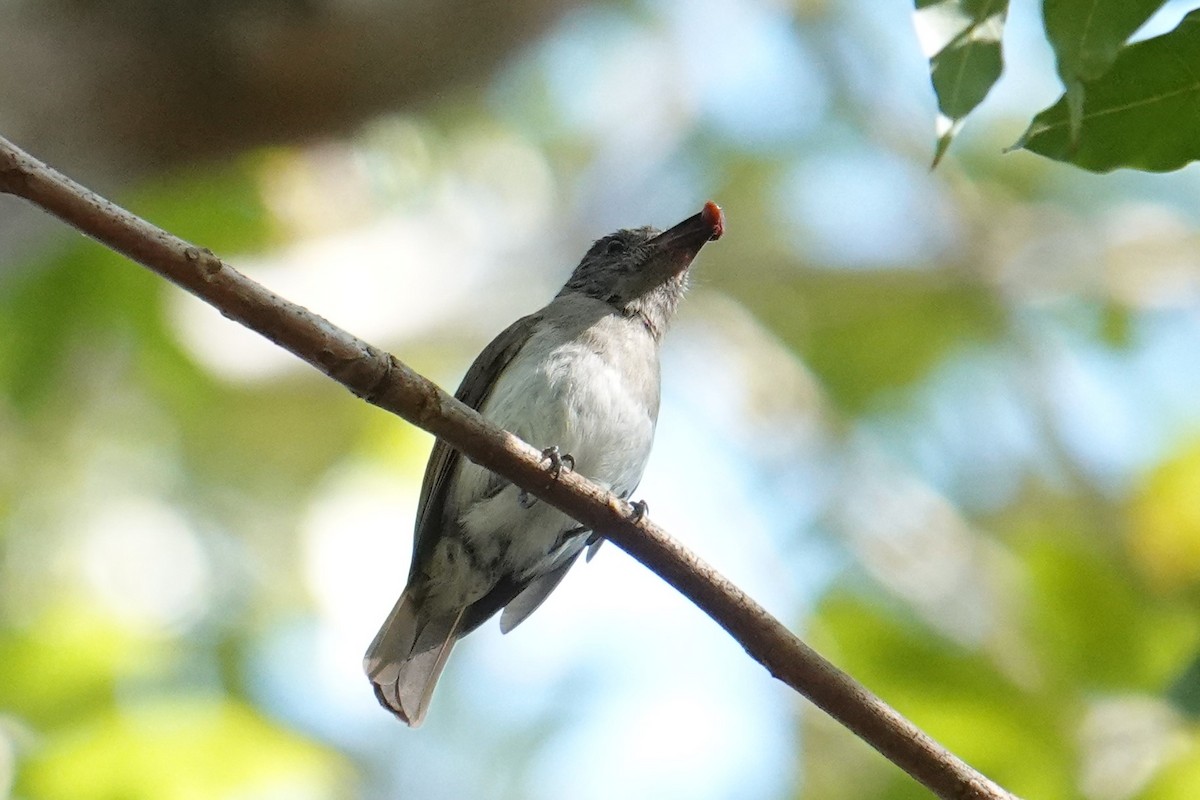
<point>642,272</point>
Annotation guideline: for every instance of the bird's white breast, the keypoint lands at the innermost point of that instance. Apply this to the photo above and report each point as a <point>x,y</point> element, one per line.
<point>587,383</point>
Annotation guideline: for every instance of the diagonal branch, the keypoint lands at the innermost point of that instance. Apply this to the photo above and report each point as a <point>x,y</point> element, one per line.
<point>380,379</point>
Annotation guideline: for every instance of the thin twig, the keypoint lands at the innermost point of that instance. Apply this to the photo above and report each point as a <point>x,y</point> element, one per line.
<point>381,379</point>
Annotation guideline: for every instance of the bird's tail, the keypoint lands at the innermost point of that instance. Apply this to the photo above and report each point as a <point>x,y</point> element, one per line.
<point>407,656</point>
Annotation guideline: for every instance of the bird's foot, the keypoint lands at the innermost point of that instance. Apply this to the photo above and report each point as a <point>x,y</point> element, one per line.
<point>558,461</point>
<point>640,509</point>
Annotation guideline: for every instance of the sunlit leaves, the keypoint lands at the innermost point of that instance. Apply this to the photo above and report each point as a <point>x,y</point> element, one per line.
<point>1180,778</point>
<point>70,661</point>
<point>961,38</point>
<point>1142,113</point>
<point>179,749</point>
<point>1142,643</point>
<point>1164,531</point>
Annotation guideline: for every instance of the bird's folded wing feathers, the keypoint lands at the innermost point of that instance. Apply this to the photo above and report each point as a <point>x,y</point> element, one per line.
<point>473,391</point>
<point>532,596</point>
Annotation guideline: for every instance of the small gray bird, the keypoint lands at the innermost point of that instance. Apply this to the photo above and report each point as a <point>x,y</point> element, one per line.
<point>580,378</point>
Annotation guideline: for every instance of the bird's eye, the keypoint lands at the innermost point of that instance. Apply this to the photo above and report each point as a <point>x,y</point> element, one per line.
<point>614,247</point>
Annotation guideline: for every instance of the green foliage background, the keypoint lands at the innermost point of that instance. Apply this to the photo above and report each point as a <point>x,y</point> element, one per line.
<point>983,386</point>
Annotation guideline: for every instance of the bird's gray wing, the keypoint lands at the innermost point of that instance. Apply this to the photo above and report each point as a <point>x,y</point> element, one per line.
<point>474,391</point>
<point>532,595</point>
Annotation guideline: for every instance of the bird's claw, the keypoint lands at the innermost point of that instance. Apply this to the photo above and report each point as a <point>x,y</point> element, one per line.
<point>558,461</point>
<point>640,509</point>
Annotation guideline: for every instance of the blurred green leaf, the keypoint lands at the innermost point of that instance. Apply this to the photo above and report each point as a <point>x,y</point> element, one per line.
<point>954,694</point>
<point>1180,779</point>
<point>1094,627</point>
<point>1139,114</point>
<point>865,333</point>
<point>181,749</point>
<point>219,206</point>
<point>1116,325</point>
<point>69,663</point>
<point>1163,536</point>
<point>266,437</point>
<point>88,309</point>
<point>55,310</point>
<point>1184,693</point>
<point>962,39</point>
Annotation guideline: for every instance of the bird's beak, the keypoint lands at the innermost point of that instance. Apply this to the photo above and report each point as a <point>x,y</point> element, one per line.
<point>673,250</point>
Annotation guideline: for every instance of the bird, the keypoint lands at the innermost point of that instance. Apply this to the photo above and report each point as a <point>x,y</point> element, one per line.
<point>579,378</point>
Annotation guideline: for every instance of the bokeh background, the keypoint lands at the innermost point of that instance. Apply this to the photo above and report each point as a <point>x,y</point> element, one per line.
<point>945,424</point>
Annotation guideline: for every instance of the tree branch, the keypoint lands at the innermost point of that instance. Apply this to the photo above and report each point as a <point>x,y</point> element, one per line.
<point>382,380</point>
